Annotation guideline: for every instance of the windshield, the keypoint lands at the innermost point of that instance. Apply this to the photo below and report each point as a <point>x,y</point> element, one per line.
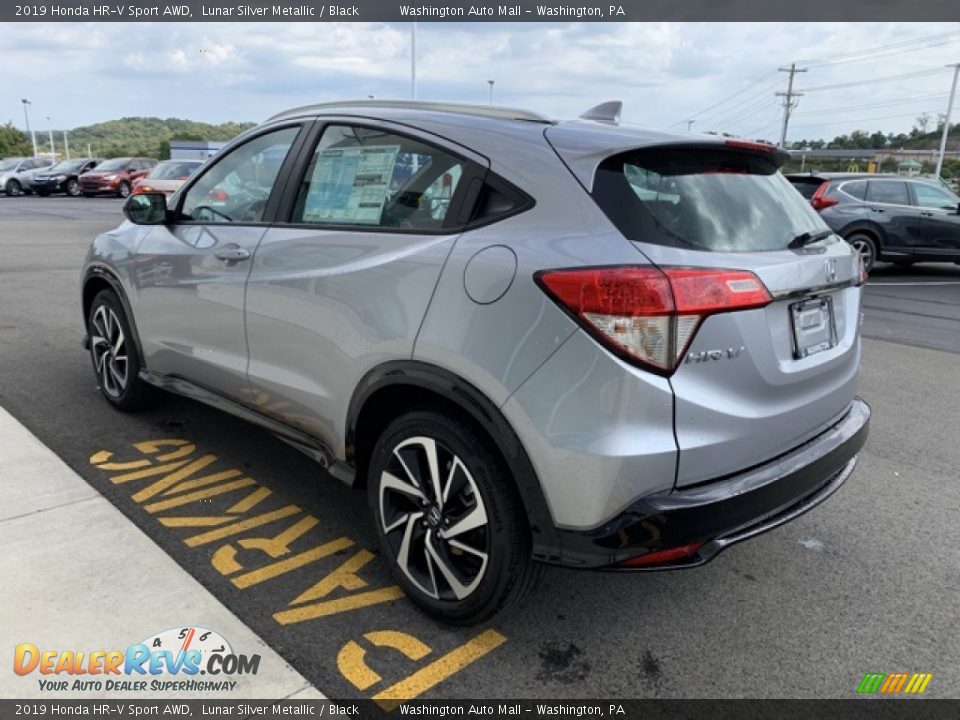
<point>68,166</point>
<point>110,165</point>
<point>704,199</point>
<point>174,170</point>
<point>9,164</point>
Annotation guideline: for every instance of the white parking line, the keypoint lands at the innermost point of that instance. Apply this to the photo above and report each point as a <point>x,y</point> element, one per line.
<point>87,579</point>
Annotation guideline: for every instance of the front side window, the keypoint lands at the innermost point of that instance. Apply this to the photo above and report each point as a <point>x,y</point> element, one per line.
<point>888,192</point>
<point>931,197</point>
<point>371,178</point>
<point>237,188</point>
<point>704,199</point>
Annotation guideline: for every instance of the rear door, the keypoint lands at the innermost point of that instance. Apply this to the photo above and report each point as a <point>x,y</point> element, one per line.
<point>752,384</point>
<point>343,282</point>
<point>940,212</point>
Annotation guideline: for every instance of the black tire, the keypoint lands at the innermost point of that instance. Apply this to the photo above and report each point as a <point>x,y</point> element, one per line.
<point>123,189</point>
<point>866,246</point>
<point>133,393</point>
<point>508,572</point>
<point>13,188</point>
<point>72,188</point>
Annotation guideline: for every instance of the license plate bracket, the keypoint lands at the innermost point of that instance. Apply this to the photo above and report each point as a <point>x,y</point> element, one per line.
<point>814,326</point>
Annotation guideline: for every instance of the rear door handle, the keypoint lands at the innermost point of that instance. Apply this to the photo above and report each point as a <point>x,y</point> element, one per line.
<point>232,254</point>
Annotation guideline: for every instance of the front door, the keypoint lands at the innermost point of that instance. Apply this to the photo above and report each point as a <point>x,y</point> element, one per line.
<point>191,274</point>
<point>941,221</point>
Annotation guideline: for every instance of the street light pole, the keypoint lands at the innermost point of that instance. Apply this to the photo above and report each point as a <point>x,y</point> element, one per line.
<point>491,91</point>
<point>53,150</point>
<point>413,62</point>
<point>946,120</point>
<point>31,133</point>
<point>66,146</point>
<point>690,124</point>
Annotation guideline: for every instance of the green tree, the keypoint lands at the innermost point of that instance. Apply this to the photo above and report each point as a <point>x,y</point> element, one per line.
<point>14,142</point>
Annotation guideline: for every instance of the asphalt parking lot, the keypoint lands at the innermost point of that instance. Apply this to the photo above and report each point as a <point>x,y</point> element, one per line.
<point>868,582</point>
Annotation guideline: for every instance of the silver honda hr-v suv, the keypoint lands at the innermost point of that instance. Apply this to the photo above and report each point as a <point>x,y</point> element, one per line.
<point>533,342</point>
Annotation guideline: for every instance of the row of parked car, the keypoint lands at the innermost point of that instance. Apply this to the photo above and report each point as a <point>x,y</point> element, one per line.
<point>93,176</point>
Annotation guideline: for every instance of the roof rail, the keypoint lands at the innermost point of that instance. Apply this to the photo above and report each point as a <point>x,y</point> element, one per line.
<point>490,111</point>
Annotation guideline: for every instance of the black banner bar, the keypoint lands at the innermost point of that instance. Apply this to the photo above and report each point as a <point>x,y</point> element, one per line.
<point>118,708</point>
<point>508,11</point>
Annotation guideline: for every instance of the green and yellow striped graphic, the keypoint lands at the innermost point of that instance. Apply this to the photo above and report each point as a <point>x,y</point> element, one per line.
<point>894,683</point>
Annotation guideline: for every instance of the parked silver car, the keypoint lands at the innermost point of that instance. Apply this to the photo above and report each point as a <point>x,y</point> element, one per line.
<point>576,343</point>
<point>17,172</point>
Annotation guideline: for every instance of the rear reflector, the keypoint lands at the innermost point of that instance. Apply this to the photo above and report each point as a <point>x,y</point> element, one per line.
<point>663,556</point>
<point>649,315</point>
<point>819,201</point>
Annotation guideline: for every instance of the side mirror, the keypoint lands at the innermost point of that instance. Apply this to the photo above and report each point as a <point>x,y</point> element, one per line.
<point>149,208</point>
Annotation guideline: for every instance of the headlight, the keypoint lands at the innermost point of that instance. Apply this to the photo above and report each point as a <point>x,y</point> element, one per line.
<point>109,177</point>
<point>60,178</point>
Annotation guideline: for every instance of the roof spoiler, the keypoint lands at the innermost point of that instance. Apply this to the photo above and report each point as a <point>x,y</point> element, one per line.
<point>608,112</point>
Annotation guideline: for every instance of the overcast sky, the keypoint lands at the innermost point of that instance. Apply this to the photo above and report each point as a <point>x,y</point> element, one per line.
<point>665,73</point>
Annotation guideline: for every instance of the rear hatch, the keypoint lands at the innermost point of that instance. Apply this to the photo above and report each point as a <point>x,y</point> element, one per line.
<point>755,383</point>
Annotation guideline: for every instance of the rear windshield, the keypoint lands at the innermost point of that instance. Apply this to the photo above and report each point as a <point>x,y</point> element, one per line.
<point>703,199</point>
<point>806,186</point>
<point>173,170</point>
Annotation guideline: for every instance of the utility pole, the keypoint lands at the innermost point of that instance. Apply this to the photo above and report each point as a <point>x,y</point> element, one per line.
<point>66,146</point>
<point>31,133</point>
<point>413,62</point>
<point>491,91</point>
<point>690,124</point>
<point>53,150</point>
<point>946,120</point>
<point>788,102</point>
<point>89,151</point>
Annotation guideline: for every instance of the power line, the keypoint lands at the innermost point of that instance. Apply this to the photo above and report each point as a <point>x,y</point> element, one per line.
<point>830,59</point>
<point>887,78</point>
<point>732,95</point>
<point>866,120</point>
<point>888,103</point>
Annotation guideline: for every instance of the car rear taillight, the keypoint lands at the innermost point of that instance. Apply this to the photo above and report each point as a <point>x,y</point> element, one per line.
<point>862,270</point>
<point>820,199</point>
<point>650,315</point>
<point>218,195</point>
<point>140,189</point>
<point>750,145</point>
<point>661,557</point>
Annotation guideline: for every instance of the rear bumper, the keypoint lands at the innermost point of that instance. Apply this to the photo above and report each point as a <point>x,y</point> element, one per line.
<point>714,515</point>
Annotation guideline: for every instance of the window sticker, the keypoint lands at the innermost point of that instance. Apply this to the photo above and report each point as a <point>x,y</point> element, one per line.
<point>350,185</point>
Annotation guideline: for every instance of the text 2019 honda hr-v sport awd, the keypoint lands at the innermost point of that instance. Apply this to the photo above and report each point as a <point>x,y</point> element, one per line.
<point>576,343</point>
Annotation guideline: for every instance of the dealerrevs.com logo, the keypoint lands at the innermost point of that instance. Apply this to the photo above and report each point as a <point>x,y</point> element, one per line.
<point>172,660</point>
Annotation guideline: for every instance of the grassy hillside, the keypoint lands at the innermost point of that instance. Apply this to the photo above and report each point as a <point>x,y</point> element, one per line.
<point>149,136</point>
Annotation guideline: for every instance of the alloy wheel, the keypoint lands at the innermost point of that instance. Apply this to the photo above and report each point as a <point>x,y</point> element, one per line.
<point>14,189</point>
<point>434,519</point>
<point>73,188</point>
<point>109,348</point>
<point>865,248</point>
<point>124,190</point>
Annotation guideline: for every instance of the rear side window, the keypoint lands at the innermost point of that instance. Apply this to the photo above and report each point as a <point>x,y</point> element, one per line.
<point>857,189</point>
<point>364,177</point>
<point>890,192</point>
<point>718,200</point>
<point>806,186</point>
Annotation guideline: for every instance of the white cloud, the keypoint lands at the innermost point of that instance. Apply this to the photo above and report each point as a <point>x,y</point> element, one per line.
<point>664,72</point>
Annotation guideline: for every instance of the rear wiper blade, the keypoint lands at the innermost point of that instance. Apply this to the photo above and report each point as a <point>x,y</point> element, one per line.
<point>808,238</point>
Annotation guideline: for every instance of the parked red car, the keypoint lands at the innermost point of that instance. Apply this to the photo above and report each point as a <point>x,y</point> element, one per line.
<point>116,176</point>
